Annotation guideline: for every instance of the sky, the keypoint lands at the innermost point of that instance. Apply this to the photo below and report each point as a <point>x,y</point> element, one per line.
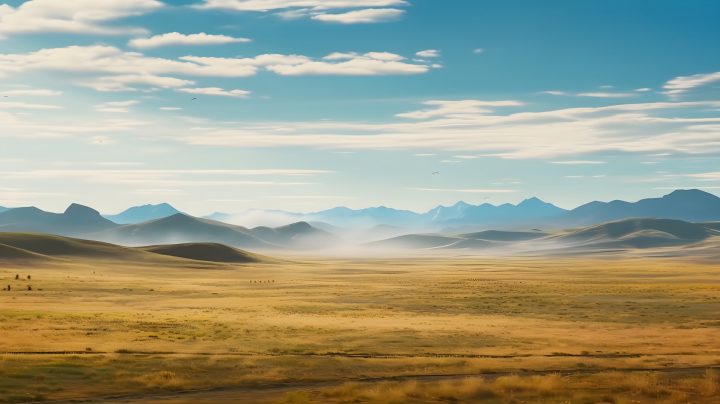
<point>304,105</point>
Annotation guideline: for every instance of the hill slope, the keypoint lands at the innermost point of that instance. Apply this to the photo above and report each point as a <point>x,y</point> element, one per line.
<point>59,246</point>
<point>9,253</point>
<point>507,236</point>
<point>638,233</point>
<point>212,252</point>
<point>29,246</point>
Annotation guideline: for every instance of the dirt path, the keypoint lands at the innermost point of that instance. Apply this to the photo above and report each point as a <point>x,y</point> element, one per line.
<point>273,393</point>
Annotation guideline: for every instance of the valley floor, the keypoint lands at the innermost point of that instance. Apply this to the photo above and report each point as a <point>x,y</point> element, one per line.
<point>633,329</point>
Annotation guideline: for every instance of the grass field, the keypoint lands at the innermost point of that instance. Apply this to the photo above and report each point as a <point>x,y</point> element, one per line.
<point>139,327</point>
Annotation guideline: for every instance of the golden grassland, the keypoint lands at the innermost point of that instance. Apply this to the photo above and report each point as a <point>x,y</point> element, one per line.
<point>149,327</point>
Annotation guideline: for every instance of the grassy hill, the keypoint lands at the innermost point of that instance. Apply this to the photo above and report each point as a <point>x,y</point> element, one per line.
<point>211,252</point>
<point>30,246</point>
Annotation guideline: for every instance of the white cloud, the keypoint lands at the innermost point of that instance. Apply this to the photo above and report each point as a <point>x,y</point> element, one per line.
<point>175,38</point>
<point>681,84</point>
<point>268,5</point>
<point>643,89</point>
<point>467,157</point>
<point>595,95</point>
<point>108,59</point>
<point>367,16</point>
<point>354,67</point>
<point>135,68</point>
<point>478,51</point>
<point>118,104</point>
<point>449,161</point>
<point>387,56</point>
<point>429,54</point>
<point>73,16</point>
<point>170,109</point>
<point>579,162</point>
<point>8,105</point>
<point>457,108</point>
<point>103,109</point>
<point>118,83</point>
<point>554,92</point>
<point>606,95</point>
<point>216,92</point>
<point>36,93</point>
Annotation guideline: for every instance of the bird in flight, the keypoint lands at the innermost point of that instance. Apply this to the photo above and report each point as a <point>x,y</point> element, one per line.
<point>193,99</point>
<point>436,173</point>
<point>487,197</point>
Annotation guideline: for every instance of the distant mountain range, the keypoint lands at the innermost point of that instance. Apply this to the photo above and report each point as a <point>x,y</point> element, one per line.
<point>77,220</point>
<point>688,205</point>
<point>139,214</point>
<point>466,225</point>
<point>2,209</point>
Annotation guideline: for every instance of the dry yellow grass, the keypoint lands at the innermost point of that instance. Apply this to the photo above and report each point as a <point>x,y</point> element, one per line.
<point>187,325</point>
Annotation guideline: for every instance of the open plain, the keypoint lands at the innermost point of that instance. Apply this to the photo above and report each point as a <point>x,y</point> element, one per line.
<point>142,327</point>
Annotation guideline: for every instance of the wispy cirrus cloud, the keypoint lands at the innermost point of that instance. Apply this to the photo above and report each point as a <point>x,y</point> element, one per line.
<point>683,84</point>
<point>23,105</point>
<point>33,93</point>
<point>593,95</point>
<point>632,128</point>
<point>577,162</point>
<point>457,108</point>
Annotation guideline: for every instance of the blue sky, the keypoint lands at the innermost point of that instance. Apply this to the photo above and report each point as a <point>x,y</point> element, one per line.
<point>304,105</point>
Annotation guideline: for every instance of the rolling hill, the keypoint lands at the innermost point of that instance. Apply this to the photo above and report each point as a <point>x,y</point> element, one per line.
<point>637,233</point>
<point>9,253</point>
<point>507,236</point>
<point>46,247</point>
<point>75,221</point>
<point>211,252</point>
<point>2,209</point>
<point>145,213</point>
